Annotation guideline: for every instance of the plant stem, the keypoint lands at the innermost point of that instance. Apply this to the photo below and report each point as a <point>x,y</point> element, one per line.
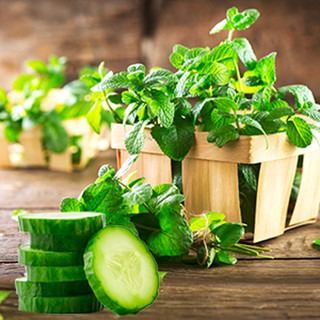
<point>230,34</point>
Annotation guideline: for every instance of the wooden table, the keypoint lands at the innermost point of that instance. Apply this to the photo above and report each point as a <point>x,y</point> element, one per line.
<point>287,287</point>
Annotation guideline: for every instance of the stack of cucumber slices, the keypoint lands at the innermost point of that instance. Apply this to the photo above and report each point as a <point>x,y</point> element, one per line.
<point>75,265</point>
<point>55,280</point>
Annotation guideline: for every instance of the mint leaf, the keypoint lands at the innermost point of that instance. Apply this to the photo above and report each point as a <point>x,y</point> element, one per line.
<point>222,25</point>
<point>160,76</point>
<point>245,52</point>
<point>316,242</point>
<point>4,295</point>
<point>250,175</point>
<point>174,238</point>
<point>312,113</point>
<point>221,118</point>
<point>280,112</point>
<point>94,116</point>
<point>228,234</point>
<point>71,205</point>
<point>206,221</point>
<point>303,95</point>
<point>176,140</point>
<point>139,194</point>
<point>55,135</point>
<point>166,195</point>
<point>299,132</point>
<point>245,19</point>
<point>249,121</point>
<point>126,166</point>
<point>134,140</point>
<point>225,257</point>
<point>225,104</point>
<point>266,69</point>
<point>113,82</point>
<point>177,56</point>
<point>223,135</point>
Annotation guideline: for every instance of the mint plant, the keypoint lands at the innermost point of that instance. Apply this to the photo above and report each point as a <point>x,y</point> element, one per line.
<point>225,91</point>
<point>30,104</point>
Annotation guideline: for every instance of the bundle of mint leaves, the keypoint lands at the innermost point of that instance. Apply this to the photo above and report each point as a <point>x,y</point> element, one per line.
<point>157,216</point>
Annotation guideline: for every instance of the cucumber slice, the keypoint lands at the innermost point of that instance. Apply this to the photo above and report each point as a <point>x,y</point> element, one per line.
<point>63,243</point>
<point>51,289</point>
<point>121,271</point>
<point>55,274</point>
<point>77,304</point>
<point>34,257</point>
<point>62,223</point>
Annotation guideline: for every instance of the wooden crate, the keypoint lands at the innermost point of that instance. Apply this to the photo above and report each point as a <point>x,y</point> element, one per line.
<point>28,152</point>
<point>210,178</point>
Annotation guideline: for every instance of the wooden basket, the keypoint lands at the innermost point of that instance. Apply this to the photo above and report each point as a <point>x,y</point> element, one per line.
<point>29,152</point>
<point>210,178</point>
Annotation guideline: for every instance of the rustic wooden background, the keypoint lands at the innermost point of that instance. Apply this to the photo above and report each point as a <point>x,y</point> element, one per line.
<point>121,32</point>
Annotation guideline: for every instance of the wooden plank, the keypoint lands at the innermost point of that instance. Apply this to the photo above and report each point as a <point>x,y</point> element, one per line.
<point>274,189</point>
<point>247,149</point>
<point>47,187</point>
<point>156,168</point>
<point>307,205</point>
<point>249,290</point>
<point>31,141</point>
<point>212,186</point>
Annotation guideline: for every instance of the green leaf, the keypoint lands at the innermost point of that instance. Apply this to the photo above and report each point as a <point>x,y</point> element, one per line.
<point>250,175</point>
<point>38,66</point>
<point>134,141</point>
<point>312,113</point>
<point>225,257</point>
<point>113,82</point>
<point>316,242</point>
<point>221,118</point>
<point>249,121</point>
<point>303,95</point>
<point>174,238</point>
<point>12,131</point>
<point>229,234</point>
<point>71,205</point>
<point>160,76</point>
<point>126,166</point>
<point>139,194</point>
<point>280,112</point>
<point>299,132</point>
<point>175,141</point>
<point>177,56</point>
<point>162,275</point>
<point>225,104</point>
<point>245,19</point>
<point>55,136</point>
<point>266,68</point>
<point>105,171</point>
<point>4,295</point>
<point>211,256</point>
<point>245,52</point>
<point>166,195</point>
<point>94,116</point>
<point>105,197</point>
<point>204,221</point>
<point>220,74</point>
<point>22,81</point>
<point>223,135</point>
<point>222,25</point>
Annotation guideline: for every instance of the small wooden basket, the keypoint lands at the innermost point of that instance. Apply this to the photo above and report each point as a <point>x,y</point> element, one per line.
<point>210,178</point>
<point>29,151</point>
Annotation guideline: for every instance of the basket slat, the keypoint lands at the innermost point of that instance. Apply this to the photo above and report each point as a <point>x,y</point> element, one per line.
<point>307,205</point>
<point>274,189</point>
<point>211,185</point>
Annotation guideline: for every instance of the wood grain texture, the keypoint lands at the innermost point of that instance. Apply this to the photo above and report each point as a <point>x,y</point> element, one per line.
<point>284,288</point>
<point>86,33</point>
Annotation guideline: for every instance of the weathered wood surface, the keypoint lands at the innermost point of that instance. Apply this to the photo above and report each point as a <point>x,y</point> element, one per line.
<point>85,32</point>
<point>287,287</point>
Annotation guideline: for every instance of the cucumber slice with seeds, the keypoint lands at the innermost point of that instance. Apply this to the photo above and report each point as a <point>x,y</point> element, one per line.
<point>51,289</point>
<point>75,304</point>
<point>121,271</point>
<point>55,274</point>
<point>62,223</point>
<point>34,257</point>
<point>64,243</point>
